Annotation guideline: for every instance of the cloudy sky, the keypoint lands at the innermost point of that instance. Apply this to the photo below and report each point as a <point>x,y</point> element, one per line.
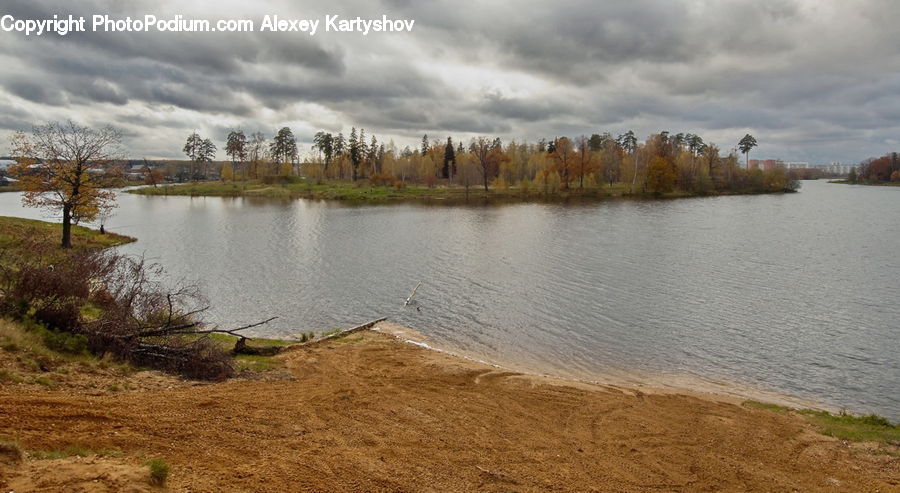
<point>813,80</point>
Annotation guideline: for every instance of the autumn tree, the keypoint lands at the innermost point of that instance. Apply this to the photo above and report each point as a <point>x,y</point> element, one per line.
<point>152,176</point>
<point>587,160</point>
<point>487,156</point>
<point>227,173</point>
<point>468,169</point>
<point>747,143</point>
<point>58,167</point>
<point>611,161</point>
<point>564,160</point>
<point>876,169</point>
<point>255,151</point>
<point>660,176</point>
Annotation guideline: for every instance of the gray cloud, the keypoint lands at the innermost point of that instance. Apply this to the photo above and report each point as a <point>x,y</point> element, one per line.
<point>813,81</point>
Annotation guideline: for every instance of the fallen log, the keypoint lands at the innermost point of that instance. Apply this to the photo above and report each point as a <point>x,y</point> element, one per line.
<point>241,347</point>
<point>336,335</point>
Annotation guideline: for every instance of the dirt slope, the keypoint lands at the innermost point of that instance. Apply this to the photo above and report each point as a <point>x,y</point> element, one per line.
<point>371,413</point>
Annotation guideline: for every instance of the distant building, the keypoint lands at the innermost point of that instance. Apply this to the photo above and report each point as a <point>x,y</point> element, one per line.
<point>839,169</point>
<point>796,165</point>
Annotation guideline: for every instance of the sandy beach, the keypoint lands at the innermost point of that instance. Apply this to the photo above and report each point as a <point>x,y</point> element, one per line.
<point>371,412</point>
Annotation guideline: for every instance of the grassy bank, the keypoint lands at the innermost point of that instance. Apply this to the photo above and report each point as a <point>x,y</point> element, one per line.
<point>17,233</point>
<point>364,192</point>
<point>869,428</point>
<point>868,183</point>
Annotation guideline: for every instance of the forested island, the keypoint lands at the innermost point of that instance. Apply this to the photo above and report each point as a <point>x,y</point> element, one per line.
<point>595,166</point>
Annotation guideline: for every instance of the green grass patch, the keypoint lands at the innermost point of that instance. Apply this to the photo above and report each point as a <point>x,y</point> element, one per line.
<point>363,191</point>
<point>869,428</point>
<point>868,183</point>
<point>37,350</point>
<point>45,381</point>
<point>769,407</point>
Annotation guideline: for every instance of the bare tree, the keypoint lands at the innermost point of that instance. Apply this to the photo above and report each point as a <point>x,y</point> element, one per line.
<point>485,154</point>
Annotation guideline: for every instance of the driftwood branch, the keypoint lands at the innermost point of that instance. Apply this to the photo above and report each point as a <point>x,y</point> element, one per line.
<point>338,335</point>
<point>231,332</point>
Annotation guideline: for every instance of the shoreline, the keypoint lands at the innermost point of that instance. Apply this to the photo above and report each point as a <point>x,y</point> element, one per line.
<point>444,194</point>
<point>685,384</point>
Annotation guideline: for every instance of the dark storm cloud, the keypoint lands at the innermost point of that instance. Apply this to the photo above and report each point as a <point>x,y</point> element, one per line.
<point>523,109</point>
<point>801,75</point>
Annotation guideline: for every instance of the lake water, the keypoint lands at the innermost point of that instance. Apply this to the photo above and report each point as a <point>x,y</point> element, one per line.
<point>796,293</point>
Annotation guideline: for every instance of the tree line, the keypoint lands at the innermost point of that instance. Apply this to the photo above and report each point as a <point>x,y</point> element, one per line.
<point>662,163</point>
<point>61,166</point>
<point>878,170</point>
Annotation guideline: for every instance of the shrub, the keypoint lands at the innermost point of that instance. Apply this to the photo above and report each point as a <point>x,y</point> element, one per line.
<point>399,185</point>
<point>875,420</point>
<point>56,316</point>
<point>281,179</point>
<point>137,319</point>
<point>159,471</point>
<point>63,342</point>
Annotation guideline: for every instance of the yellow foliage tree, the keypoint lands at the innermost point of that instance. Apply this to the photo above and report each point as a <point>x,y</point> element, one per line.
<point>286,169</point>
<point>60,168</point>
<point>564,161</point>
<point>227,173</point>
<point>660,176</point>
